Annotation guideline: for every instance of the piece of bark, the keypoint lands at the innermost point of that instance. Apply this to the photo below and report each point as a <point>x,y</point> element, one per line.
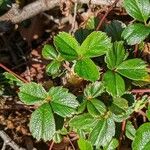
<point>15,15</point>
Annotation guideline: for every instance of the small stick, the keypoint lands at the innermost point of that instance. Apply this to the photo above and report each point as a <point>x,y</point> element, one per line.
<point>123,126</point>
<point>136,50</point>
<point>8,141</point>
<point>140,91</point>
<point>8,70</point>
<point>51,146</point>
<point>71,143</point>
<point>105,15</point>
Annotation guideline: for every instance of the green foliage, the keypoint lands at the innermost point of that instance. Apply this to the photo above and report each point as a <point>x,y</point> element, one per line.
<point>56,100</point>
<point>84,144</point>
<point>130,130</point>
<point>135,33</point>
<point>142,138</point>
<point>139,10</point>
<point>112,145</point>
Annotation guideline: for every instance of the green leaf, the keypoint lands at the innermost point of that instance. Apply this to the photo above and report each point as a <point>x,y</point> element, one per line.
<point>48,52</point>
<point>116,55</point>
<point>114,83</point>
<point>1,2</point>
<point>103,132</point>
<point>12,78</point>
<point>92,23</point>
<point>86,69</point>
<point>63,103</point>
<point>134,69</point>
<point>148,113</point>
<point>130,130</point>
<point>32,93</point>
<point>57,138</point>
<point>53,69</point>
<point>42,123</point>
<point>119,106</point>
<point>112,145</point>
<point>81,34</point>
<point>84,121</point>
<point>66,45</point>
<point>94,90</point>
<point>96,44</point>
<point>138,9</point>
<point>84,144</point>
<point>114,30</point>
<point>95,107</point>
<point>142,138</point>
<point>135,33</point>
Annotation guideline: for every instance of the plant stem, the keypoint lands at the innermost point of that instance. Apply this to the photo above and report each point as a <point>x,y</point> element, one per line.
<point>105,15</point>
<point>136,50</point>
<point>8,70</point>
<point>140,91</point>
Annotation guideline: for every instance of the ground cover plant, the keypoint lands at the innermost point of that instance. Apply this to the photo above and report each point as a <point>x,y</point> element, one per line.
<point>104,66</point>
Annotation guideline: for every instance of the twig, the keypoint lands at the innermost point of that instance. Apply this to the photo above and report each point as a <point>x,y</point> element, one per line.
<point>136,50</point>
<point>140,91</point>
<point>8,70</point>
<point>51,146</point>
<point>15,15</point>
<point>71,143</point>
<point>123,126</point>
<point>105,15</point>
<point>8,141</point>
<point>74,18</point>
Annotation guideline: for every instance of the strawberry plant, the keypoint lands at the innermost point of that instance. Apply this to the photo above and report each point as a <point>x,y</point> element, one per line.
<point>97,111</point>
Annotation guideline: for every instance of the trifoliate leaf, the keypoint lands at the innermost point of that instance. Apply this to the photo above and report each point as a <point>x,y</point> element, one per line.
<point>66,45</point>
<point>103,132</point>
<point>42,123</point>
<point>49,52</point>
<point>84,121</point>
<point>114,143</point>
<point>53,69</point>
<point>95,107</point>
<point>86,69</point>
<point>114,83</point>
<point>116,55</point>
<point>94,90</point>
<point>32,93</point>
<point>63,103</point>
<point>114,30</point>
<point>138,9</point>
<point>142,138</point>
<point>134,69</point>
<point>119,106</point>
<point>96,44</point>
<point>84,144</point>
<point>135,33</point>
<point>130,130</point>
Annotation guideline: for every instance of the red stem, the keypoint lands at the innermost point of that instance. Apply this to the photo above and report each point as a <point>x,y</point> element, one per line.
<point>105,15</point>
<point>140,91</point>
<point>136,50</point>
<point>8,70</point>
